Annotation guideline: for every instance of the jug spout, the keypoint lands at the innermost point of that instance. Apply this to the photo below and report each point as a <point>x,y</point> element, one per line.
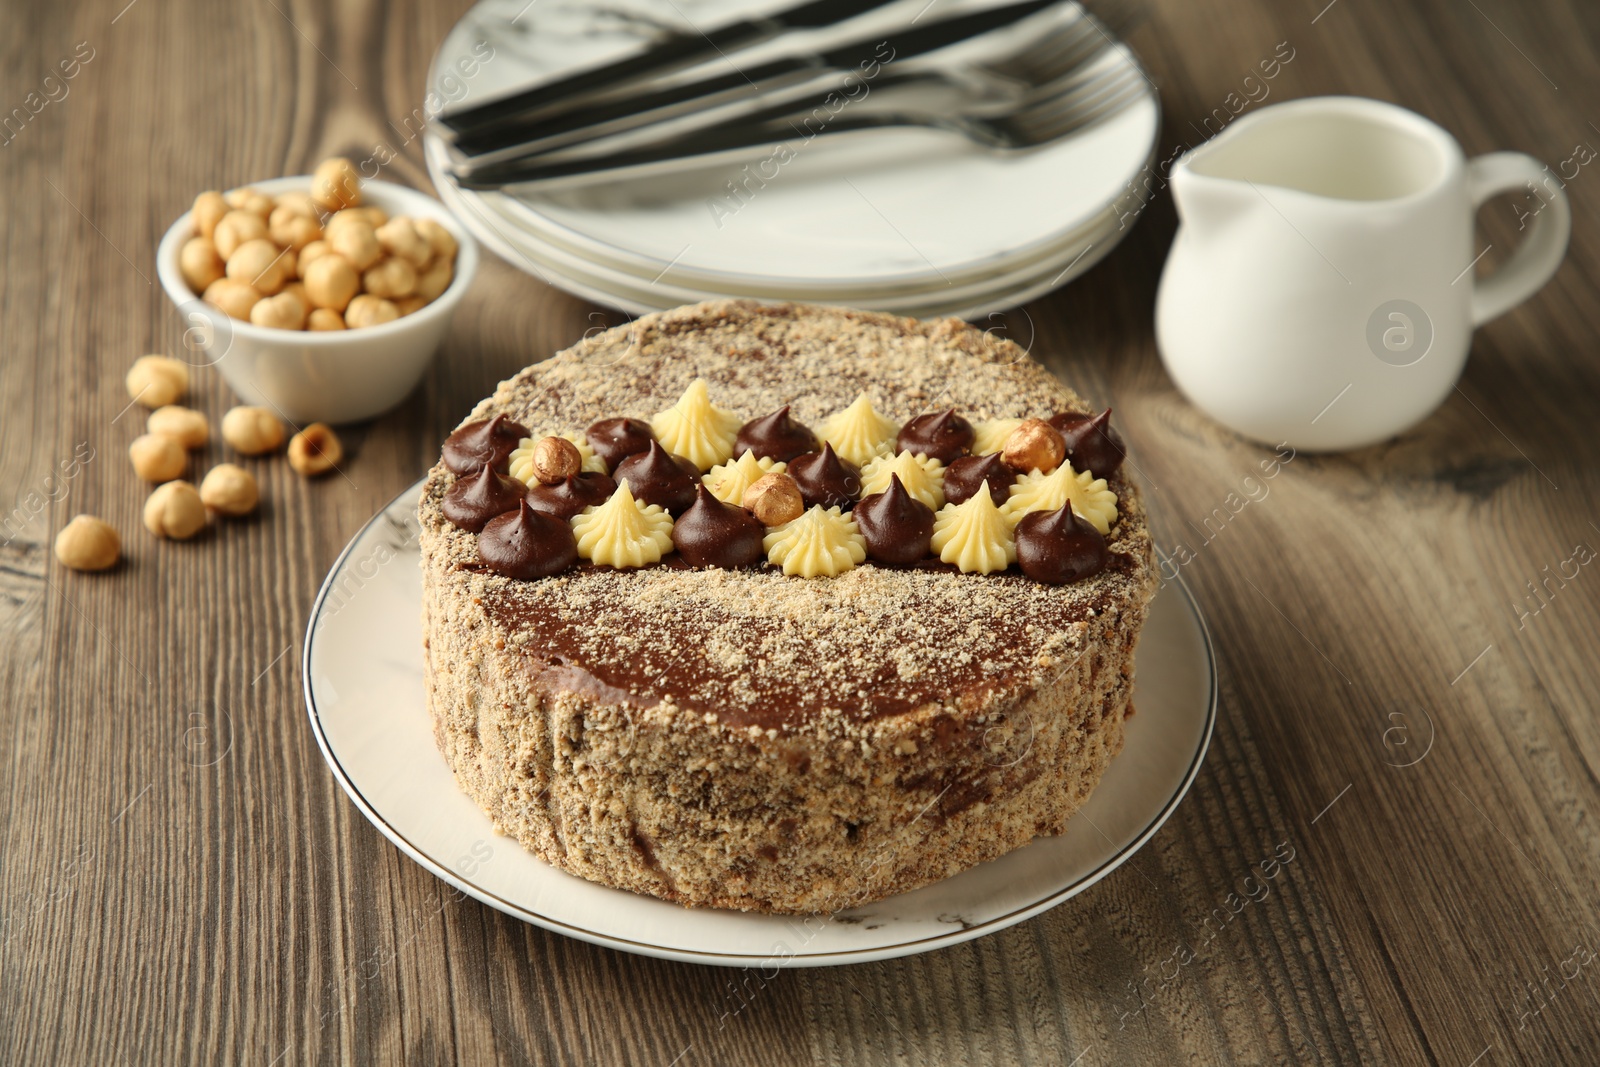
<point>1208,204</point>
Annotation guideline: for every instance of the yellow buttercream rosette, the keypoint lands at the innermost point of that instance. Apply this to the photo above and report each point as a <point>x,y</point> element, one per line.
<point>858,433</point>
<point>695,429</point>
<point>990,435</point>
<point>921,476</point>
<point>823,541</point>
<point>974,536</point>
<point>622,532</point>
<point>1088,495</point>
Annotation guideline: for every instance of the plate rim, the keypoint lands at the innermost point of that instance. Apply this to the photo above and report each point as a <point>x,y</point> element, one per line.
<point>730,959</point>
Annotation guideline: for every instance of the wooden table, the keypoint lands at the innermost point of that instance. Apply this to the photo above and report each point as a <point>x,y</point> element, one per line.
<point>182,880</point>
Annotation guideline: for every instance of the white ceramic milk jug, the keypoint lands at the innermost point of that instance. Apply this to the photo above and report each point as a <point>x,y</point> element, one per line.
<point>1321,288</point>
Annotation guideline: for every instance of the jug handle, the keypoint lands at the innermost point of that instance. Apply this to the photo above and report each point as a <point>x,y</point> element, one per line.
<point>1541,252</point>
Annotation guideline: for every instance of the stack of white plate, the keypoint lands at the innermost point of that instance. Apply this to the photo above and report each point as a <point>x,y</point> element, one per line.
<point>911,221</point>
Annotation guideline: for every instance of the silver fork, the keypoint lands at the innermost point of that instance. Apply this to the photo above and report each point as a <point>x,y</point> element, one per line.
<point>1077,101</point>
<point>1003,81</point>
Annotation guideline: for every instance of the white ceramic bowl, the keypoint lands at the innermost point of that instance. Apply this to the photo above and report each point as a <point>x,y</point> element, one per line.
<point>336,376</point>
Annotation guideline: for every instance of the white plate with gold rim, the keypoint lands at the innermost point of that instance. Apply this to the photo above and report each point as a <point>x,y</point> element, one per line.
<point>364,694</point>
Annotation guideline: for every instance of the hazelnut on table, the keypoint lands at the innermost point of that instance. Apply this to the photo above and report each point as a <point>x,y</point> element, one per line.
<point>230,490</point>
<point>184,425</point>
<point>199,263</point>
<point>88,544</point>
<point>315,450</point>
<point>252,431</point>
<point>157,457</point>
<point>156,381</point>
<point>175,510</point>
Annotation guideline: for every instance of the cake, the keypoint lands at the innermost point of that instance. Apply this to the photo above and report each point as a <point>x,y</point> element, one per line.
<point>742,735</point>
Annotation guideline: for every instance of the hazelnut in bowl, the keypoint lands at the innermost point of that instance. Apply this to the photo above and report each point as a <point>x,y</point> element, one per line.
<point>321,296</point>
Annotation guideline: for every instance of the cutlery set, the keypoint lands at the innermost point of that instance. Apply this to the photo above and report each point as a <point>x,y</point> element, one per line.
<point>676,105</point>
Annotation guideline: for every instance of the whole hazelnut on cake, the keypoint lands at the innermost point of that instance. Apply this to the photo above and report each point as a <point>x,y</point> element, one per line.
<point>774,499</point>
<point>1034,446</point>
<point>555,460</point>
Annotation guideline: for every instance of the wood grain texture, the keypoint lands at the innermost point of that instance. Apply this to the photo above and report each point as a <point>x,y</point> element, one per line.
<point>181,880</point>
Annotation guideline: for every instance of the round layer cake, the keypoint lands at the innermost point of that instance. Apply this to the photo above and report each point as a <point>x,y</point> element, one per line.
<point>744,738</point>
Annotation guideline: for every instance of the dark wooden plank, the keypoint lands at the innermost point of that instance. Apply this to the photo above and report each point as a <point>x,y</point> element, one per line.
<point>181,879</point>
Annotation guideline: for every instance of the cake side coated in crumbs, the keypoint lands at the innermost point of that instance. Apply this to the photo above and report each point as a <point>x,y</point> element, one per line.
<point>748,740</point>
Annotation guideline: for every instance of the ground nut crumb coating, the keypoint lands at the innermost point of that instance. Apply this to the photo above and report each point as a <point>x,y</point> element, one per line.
<point>743,739</point>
